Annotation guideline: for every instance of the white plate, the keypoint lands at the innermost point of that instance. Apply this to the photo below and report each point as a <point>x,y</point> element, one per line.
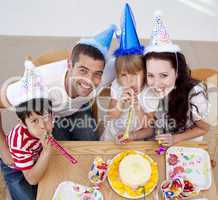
<point>196,165</point>
<point>70,191</point>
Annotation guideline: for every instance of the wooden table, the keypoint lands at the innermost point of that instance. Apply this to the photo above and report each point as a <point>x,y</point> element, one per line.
<point>60,169</point>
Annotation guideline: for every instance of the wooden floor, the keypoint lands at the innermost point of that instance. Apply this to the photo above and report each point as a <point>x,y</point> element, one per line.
<point>3,193</point>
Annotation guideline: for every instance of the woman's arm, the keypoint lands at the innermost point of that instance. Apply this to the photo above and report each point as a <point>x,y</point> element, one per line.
<point>200,129</point>
<point>141,134</point>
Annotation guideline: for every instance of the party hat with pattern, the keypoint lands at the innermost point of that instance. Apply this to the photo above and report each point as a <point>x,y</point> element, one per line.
<point>30,85</point>
<point>160,40</point>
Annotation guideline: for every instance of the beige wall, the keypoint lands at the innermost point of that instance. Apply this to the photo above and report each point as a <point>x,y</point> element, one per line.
<point>15,48</point>
<point>185,19</point>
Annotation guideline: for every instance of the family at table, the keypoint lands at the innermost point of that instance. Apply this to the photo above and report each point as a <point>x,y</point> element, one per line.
<point>153,97</point>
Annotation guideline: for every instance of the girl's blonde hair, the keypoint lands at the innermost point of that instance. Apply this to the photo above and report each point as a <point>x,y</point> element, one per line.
<point>130,64</point>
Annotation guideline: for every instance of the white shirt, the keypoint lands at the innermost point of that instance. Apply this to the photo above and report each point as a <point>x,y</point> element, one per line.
<point>148,102</point>
<point>199,104</point>
<point>53,78</point>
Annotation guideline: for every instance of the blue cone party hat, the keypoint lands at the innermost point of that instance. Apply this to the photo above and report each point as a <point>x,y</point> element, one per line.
<point>102,41</point>
<point>160,40</point>
<point>129,42</point>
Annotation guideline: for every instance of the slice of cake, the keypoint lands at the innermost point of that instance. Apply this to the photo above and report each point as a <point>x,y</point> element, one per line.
<point>134,170</point>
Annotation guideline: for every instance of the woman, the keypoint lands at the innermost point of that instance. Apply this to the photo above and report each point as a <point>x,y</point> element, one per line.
<point>183,104</point>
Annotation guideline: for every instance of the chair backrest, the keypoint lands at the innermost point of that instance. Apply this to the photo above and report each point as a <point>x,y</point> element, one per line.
<point>205,74</point>
<point>51,56</point>
<point>210,77</point>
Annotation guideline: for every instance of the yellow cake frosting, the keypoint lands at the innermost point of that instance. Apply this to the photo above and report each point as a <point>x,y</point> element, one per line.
<point>134,170</point>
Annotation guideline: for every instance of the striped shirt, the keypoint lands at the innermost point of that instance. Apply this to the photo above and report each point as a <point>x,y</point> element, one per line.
<point>24,148</point>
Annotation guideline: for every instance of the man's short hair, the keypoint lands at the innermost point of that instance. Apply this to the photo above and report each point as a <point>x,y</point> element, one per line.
<point>86,50</point>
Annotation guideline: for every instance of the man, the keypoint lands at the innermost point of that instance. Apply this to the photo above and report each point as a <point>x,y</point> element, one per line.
<point>71,85</point>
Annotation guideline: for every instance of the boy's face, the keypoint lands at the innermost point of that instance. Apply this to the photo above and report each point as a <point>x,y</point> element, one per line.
<point>39,125</point>
<point>86,75</point>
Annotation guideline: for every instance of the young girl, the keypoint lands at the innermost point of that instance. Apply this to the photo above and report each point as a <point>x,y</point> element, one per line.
<point>130,98</point>
<point>128,91</point>
<point>184,105</point>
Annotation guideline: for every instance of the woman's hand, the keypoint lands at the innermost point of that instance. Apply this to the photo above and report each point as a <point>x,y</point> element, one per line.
<point>166,139</point>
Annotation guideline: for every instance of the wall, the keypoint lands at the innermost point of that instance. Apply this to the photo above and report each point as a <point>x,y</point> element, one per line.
<point>186,19</point>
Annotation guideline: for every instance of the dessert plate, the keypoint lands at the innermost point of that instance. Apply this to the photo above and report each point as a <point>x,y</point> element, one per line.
<point>71,191</point>
<point>189,163</point>
<point>124,190</point>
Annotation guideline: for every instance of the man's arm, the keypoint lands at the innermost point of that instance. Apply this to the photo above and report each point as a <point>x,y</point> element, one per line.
<point>4,150</point>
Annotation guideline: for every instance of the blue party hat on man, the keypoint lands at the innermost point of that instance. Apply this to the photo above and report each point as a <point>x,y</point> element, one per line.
<point>102,41</point>
<point>129,42</point>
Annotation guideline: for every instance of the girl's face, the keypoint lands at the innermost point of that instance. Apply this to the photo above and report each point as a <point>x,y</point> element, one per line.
<point>161,76</point>
<point>134,81</point>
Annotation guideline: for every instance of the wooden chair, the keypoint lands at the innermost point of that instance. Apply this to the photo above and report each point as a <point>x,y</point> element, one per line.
<point>210,77</point>
<point>205,74</point>
<point>51,56</point>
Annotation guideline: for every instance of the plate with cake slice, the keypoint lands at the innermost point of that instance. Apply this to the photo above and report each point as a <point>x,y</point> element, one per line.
<point>133,174</point>
<point>69,190</point>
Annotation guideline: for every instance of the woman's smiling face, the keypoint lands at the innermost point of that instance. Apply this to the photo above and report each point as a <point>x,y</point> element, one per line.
<point>161,76</point>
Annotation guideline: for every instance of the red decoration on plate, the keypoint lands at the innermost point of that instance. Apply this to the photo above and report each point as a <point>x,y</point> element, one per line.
<point>178,170</point>
<point>173,159</point>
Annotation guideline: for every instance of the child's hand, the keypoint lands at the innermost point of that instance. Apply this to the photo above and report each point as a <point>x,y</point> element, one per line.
<point>166,139</point>
<point>45,143</point>
<point>120,139</point>
<point>129,96</point>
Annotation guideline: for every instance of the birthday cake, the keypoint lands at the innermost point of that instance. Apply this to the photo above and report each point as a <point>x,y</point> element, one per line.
<point>133,174</point>
<point>134,170</point>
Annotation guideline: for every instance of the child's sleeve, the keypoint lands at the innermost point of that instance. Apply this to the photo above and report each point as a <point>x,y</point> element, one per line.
<point>23,160</point>
<point>116,90</point>
<point>18,146</point>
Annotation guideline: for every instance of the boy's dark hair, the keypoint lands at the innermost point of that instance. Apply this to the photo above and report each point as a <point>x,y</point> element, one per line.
<point>86,50</point>
<point>39,106</point>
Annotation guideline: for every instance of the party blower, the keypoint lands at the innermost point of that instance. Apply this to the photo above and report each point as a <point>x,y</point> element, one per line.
<point>63,151</point>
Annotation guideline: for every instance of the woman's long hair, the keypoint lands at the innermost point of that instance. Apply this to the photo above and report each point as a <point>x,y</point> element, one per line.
<point>179,97</point>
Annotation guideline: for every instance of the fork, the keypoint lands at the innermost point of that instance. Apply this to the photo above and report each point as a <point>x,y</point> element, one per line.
<point>144,193</point>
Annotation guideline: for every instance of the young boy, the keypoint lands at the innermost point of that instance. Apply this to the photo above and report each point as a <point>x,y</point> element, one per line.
<point>27,142</point>
<point>29,146</point>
